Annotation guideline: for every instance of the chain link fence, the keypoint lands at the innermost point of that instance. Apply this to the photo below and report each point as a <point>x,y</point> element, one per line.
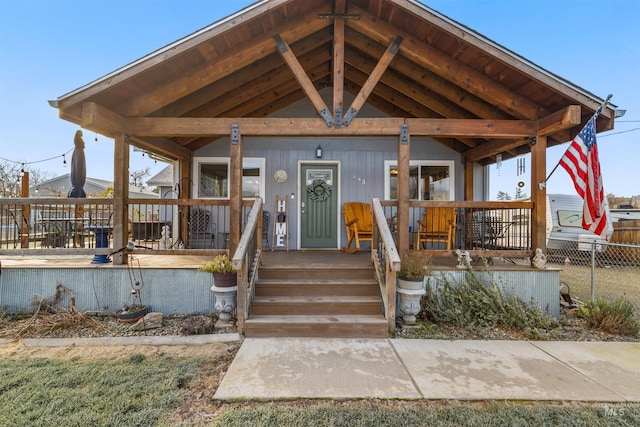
<point>592,270</point>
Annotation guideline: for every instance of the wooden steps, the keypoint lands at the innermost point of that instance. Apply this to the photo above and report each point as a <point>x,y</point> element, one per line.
<point>316,301</point>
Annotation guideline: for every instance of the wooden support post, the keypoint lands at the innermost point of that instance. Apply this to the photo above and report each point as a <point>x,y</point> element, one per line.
<point>235,192</point>
<point>26,211</point>
<point>403,190</point>
<point>185,194</point>
<point>338,71</point>
<point>120,197</point>
<point>539,193</point>
<point>468,180</point>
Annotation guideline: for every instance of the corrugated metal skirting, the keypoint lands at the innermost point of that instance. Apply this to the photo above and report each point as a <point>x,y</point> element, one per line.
<point>168,291</point>
<point>539,286</point>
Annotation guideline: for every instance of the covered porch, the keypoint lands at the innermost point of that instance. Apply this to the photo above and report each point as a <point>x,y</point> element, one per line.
<point>367,101</point>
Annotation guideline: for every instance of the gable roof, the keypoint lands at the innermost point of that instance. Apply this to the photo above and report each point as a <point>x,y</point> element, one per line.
<point>59,187</point>
<point>234,68</point>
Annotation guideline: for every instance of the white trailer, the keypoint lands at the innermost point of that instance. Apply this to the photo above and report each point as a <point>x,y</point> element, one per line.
<point>564,224</point>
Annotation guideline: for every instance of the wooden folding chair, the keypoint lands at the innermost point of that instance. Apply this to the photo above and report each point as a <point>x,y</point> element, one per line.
<point>438,226</point>
<point>359,225</point>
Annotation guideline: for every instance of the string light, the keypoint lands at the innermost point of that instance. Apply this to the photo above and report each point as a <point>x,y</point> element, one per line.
<point>64,160</point>
<point>37,161</point>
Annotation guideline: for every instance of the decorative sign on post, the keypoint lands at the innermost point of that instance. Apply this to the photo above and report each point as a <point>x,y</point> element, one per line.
<point>281,225</point>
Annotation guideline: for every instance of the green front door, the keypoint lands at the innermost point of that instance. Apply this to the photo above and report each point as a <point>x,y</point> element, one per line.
<point>319,206</point>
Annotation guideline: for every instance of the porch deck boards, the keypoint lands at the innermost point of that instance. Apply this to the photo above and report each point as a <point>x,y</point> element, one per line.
<point>292,259</point>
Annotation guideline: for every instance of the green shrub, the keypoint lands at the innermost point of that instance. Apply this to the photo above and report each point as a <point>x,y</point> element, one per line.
<point>476,302</point>
<point>615,318</point>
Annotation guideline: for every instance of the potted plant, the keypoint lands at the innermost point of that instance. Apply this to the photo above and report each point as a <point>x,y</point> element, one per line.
<point>223,273</point>
<point>414,266</point>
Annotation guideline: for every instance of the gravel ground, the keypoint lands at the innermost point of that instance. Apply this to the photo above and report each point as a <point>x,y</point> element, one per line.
<point>570,328</point>
<point>81,326</point>
<point>64,325</point>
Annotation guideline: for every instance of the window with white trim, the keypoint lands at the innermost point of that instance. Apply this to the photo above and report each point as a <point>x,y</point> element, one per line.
<point>212,177</point>
<point>428,180</point>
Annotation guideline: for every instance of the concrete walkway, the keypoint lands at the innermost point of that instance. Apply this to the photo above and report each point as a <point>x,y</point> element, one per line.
<point>290,368</point>
<point>335,368</point>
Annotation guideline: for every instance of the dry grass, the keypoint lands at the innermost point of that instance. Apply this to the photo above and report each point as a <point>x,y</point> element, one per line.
<point>50,315</point>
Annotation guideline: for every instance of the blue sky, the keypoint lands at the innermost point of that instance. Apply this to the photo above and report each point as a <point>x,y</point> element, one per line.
<point>48,48</point>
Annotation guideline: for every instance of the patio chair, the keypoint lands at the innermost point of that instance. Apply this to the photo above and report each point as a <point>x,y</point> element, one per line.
<point>20,226</point>
<point>489,233</point>
<point>201,229</point>
<point>358,223</point>
<point>438,226</point>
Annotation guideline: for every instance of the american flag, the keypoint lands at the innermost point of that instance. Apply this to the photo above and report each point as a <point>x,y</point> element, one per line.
<point>581,162</point>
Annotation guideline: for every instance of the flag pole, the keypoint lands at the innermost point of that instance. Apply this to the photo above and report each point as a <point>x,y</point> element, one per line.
<point>602,107</point>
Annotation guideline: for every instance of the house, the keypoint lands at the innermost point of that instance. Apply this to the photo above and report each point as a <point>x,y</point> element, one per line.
<point>164,182</point>
<point>94,187</point>
<point>298,106</point>
<point>398,101</point>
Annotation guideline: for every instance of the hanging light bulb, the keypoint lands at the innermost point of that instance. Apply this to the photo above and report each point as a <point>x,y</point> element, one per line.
<point>96,137</point>
<point>22,169</point>
<point>64,160</point>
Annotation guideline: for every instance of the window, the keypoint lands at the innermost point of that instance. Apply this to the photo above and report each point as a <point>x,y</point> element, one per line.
<point>213,177</point>
<point>428,180</point>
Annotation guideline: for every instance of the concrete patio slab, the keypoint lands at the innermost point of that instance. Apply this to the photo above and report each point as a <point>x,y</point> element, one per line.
<point>614,365</point>
<point>478,370</point>
<point>288,368</point>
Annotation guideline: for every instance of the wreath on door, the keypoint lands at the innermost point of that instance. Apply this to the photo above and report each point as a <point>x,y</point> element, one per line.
<point>319,190</point>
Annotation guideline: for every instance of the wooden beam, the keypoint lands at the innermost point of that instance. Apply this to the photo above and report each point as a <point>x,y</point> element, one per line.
<point>235,59</point>
<point>338,70</point>
<point>185,182</point>
<point>162,146</point>
<point>373,80</point>
<point>168,52</point>
<point>97,118</point>
<point>187,126</point>
<point>472,128</point>
<point>539,193</point>
<point>120,197</point>
<point>491,148</point>
<point>441,87</point>
<point>443,65</point>
<point>440,127</point>
<point>404,150</point>
<point>469,189</point>
<point>559,121</point>
<point>235,188</point>
<point>303,80</point>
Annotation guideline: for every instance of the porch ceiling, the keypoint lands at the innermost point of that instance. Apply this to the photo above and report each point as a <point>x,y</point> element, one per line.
<point>233,69</point>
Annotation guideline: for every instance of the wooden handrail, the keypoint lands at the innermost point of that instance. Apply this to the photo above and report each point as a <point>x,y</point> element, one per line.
<point>241,262</point>
<point>392,264</point>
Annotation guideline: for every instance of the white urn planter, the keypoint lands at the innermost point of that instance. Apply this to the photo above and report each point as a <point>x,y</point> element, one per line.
<point>410,293</point>
<point>225,303</point>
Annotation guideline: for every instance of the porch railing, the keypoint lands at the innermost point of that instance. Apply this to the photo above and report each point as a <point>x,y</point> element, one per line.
<point>485,229</point>
<point>386,262</point>
<point>84,226</point>
<point>246,261</point>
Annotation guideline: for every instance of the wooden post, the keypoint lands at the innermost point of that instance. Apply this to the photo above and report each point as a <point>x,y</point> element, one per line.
<point>235,192</point>
<point>120,197</point>
<point>403,190</point>
<point>468,181</point>
<point>185,194</point>
<point>26,211</point>
<point>539,193</point>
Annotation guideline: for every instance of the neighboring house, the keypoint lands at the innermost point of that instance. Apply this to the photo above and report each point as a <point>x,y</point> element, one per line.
<point>335,101</point>
<point>164,182</point>
<point>94,187</point>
